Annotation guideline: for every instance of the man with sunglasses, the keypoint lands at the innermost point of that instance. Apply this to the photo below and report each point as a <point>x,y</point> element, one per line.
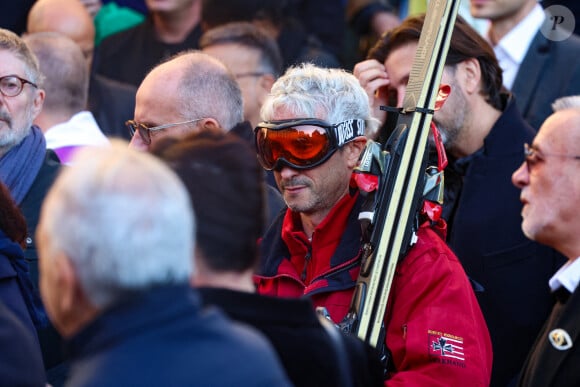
<point>27,168</point>
<point>314,132</point>
<point>549,180</point>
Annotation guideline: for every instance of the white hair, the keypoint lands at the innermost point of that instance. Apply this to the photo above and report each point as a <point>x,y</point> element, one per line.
<point>311,91</point>
<point>125,221</point>
<point>569,102</point>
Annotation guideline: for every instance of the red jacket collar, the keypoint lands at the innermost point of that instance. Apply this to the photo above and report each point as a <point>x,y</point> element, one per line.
<point>325,238</point>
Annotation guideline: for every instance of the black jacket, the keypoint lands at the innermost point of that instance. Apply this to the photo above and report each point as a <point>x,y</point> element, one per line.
<point>129,55</point>
<point>548,366</point>
<point>162,337</point>
<point>112,103</point>
<point>303,345</point>
<point>550,70</point>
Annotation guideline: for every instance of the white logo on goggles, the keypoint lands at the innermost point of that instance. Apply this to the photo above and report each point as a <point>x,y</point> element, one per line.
<point>348,130</point>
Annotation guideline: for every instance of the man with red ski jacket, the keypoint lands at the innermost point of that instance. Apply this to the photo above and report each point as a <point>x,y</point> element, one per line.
<point>312,137</point>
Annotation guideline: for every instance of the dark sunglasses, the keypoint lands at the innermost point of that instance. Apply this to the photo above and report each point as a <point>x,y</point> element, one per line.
<point>302,143</point>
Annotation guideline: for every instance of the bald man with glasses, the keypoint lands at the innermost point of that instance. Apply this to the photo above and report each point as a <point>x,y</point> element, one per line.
<point>190,92</point>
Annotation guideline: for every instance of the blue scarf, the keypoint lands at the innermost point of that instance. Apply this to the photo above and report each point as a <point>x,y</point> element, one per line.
<point>19,167</point>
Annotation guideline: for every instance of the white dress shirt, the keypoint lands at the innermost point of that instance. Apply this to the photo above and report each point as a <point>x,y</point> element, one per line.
<point>81,130</point>
<point>512,48</point>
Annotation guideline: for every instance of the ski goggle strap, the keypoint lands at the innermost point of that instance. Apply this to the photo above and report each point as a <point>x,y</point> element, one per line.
<point>302,143</point>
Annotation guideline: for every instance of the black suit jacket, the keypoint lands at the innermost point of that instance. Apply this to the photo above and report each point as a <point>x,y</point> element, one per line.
<point>549,70</point>
<point>112,103</point>
<point>548,366</point>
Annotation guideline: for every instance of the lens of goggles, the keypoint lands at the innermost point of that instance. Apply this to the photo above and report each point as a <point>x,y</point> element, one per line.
<point>300,144</point>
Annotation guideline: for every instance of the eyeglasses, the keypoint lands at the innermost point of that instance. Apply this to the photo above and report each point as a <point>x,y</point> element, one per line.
<point>302,143</point>
<point>145,132</point>
<point>533,156</point>
<point>248,75</point>
<point>12,85</point>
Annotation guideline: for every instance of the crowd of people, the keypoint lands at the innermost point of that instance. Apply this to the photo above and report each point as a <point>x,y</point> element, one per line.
<point>181,202</point>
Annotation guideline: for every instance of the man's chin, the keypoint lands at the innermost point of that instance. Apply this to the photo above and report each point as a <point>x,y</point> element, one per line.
<point>6,141</point>
<point>296,205</point>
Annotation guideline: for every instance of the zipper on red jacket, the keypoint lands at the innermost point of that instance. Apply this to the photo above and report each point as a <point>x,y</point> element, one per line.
<point>347,266</point>
<point>340,268</point>
<point>307,258</point>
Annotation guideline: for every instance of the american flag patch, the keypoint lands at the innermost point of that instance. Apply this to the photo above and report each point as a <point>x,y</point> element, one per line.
<point>445,345</point>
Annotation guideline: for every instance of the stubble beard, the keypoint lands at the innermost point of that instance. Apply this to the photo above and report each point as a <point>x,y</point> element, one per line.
<point>11,136</point>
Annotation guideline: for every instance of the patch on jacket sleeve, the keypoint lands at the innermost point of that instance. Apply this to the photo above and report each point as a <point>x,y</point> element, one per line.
<point>446,348</point>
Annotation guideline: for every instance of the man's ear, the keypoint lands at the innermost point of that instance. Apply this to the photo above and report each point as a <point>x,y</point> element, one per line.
<point>212,124</point>
<point>469,75</point>
<point>75,308</point>
<point>37,102</point>
<point>69,283</point>
<point>354,149</point>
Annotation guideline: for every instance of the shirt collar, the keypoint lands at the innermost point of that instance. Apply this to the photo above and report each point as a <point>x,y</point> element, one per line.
<point>516,43</point>
<point>568,276</point>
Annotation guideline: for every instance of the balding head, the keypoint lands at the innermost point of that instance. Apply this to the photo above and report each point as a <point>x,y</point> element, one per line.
<point>66,76</point>
<point>190,86</point>
<point>69,17</point>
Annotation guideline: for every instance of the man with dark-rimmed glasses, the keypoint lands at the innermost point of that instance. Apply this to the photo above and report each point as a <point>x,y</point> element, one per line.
<point>314,131</point>
<point>27,168</point>
<point>549,180</point>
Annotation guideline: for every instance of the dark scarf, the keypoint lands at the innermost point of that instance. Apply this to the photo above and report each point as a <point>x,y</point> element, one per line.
<point>19,167</point>
<point>11,250</point>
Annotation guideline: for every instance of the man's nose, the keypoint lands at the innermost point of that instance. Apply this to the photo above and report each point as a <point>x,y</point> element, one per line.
<point>287,172</point>
<point>137,143</point>
<point>521,177</point>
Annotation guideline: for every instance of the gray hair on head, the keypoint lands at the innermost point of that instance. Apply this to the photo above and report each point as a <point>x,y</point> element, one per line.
<point>569,102</point>
<point>11,42</point>
<point>209,89</point>
<point>308,91</point>
<point>125,221</point>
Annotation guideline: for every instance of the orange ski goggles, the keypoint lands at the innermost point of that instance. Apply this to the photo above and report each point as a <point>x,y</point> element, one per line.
<point>302,143</point>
